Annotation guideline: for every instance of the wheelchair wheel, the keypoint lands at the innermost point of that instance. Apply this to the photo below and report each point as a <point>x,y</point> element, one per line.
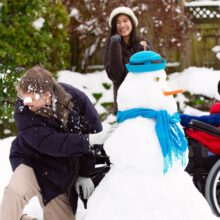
<point>212,188</point>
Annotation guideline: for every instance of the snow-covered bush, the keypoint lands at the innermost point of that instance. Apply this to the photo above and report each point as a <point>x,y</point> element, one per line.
<point>31,32</point>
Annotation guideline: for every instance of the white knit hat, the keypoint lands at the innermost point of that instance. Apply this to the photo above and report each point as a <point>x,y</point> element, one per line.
<point>122,10</point>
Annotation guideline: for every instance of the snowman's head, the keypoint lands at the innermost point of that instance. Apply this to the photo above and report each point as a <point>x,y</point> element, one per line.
<point>146,84</point>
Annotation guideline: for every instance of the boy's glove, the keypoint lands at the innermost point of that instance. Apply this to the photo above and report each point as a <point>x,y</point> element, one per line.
<point>101,137</point>
<point>116,38</point>
<point>86,185</point>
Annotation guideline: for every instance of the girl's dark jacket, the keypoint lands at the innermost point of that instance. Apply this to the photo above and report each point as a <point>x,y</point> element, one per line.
<point>57,156</point>
<point>116,55</point>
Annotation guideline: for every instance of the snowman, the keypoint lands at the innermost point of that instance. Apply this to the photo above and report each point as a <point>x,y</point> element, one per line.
<point>148,152</point>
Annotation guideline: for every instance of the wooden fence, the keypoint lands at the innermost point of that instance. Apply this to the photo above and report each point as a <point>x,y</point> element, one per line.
<point>205,36</point>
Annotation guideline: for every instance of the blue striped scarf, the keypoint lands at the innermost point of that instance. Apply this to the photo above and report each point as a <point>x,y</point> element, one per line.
<point>172,140</point>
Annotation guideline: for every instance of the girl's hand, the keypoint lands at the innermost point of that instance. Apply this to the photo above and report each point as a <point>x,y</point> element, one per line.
<point>116,38</point>
<point>144,44</point>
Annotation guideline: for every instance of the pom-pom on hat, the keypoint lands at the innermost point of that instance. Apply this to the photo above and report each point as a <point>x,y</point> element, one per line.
<point>122,10</point>
<point>145,61</point>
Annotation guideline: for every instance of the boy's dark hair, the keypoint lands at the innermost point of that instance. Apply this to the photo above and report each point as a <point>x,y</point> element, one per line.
<point>36,80</point>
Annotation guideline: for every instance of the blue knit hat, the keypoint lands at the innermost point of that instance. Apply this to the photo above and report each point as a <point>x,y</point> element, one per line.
<point>145,61</point>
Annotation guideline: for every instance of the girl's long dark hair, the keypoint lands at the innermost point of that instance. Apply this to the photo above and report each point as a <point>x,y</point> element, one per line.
<point>133,37</point>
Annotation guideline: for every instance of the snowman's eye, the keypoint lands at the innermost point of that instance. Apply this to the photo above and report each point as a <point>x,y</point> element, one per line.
<point>157,79</point>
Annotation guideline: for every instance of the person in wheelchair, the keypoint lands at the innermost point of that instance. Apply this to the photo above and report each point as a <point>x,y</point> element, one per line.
<point>212,142</point>
<point>203,135</point>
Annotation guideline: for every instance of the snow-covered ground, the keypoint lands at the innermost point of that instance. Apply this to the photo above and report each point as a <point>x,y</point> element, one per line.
<point>195,80</point>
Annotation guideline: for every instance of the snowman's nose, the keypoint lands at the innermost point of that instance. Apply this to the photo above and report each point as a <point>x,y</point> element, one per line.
<point>166,93</point>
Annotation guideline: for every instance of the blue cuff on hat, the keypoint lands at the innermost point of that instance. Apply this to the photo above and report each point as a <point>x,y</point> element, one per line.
<point>145,61</point>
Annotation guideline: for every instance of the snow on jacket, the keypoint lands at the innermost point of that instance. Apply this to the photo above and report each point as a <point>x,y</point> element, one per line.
<point>56,156</point>
<point>116,55</point>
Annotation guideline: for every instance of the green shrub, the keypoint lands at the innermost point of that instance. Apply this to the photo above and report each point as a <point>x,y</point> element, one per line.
<point>97,96</point>
<point>199,102</point>
<point>24,45</point>
<point>106,85</point>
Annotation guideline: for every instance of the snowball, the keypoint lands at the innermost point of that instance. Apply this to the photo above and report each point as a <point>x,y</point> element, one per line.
<point>27,100</point>
<point>37,96</point>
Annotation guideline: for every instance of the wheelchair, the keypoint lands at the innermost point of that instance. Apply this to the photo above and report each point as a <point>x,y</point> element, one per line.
<point>102,166</point>
<point>204,166</point>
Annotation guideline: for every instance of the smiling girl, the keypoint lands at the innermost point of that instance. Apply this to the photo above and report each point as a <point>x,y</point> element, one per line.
<point>120,45</point>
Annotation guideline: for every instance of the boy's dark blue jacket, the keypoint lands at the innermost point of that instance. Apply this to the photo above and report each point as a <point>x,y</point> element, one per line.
<point>57,156</point>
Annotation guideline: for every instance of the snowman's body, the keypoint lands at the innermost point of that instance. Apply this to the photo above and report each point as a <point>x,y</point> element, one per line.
<point>136,187</point>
